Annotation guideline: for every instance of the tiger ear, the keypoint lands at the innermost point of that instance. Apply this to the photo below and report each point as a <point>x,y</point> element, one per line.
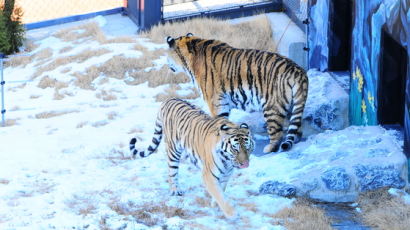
<point>189,34</point>
<point>224,127</point>
<point>170,41</point>
<point>244,126</point>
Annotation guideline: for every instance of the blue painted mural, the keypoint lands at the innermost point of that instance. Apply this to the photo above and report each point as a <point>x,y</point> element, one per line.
<point>370,19</point>
<point>318,34</point>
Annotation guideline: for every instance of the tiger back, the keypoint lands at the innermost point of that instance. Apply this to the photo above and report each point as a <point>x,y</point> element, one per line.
<point>247,79</point>
<point>216,145</point>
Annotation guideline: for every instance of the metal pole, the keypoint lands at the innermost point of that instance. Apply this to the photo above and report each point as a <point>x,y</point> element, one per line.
<point>3,111</point>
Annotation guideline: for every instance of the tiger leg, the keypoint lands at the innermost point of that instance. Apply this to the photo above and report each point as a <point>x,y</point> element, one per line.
<point>223,183</point>
<point>214,189</point>
<point>174,157</point>
<point>295,122</point>
<point>274,119</point>
<point>219,106</point>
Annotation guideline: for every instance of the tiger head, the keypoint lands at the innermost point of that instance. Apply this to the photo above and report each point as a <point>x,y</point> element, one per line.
<point>179,55</point>
<point>237,143</point>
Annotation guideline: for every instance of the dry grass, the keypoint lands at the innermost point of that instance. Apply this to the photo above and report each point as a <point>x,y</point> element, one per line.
<point>44,54</point>
<point>87,31</point>
<point>112,115</point>
<point>117,156</point>
<point>78,58</point>
<point>8,123</point>
<point>135,130</point>
<point>81,124</point>
<point>158,77</point>
<point>34,96</point>
<point>384,211</point>
<point>303,215</point>
<point>251,34</point>
<point>47,82</point>
<point>4,181</point>
<point>66,70</point>
<point>21,61</point>
<point>66,49</point>
<point>123,39</point>
<point>106,95</point>
<point>82,205</point>
<point>150,213</point>
<point>30,45</point>
<point>50,114</point>
<point>99,124</point>
<point>172,91</point>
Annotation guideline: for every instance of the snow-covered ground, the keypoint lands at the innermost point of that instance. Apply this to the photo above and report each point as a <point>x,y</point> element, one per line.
<point>65,163</point>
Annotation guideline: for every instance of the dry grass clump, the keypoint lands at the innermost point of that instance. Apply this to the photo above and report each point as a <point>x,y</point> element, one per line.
<point>158,77</point>
<point>66,70</point>
<point>10,122</point>
<point>46,115</point>
<point>106,95</point>
<point>381,210</point>
<point>150,213</point>
<point>22,61</point>
<point>122,39</point>
<point>303,215</point>
<point>85,31</point>
<point>135,130</point>
<point>30,45</point>
<point>112,115</point>
<point>78,58</point>
<point>82,205</point>
<point>44,54</point>
<point>47,82</point>
<point>117,156</point>
<point>99,124</point>
<point>66,49</point>
<point>81,124</point>
<point>4,181</point>
<point>255,34</point>
<point>172,91</point>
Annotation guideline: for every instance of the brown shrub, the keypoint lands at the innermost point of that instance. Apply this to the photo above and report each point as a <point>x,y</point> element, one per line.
<point>106,96</point>
<point>384,211</point>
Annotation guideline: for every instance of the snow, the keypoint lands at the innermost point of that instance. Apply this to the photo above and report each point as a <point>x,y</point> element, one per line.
<point>74,170</point>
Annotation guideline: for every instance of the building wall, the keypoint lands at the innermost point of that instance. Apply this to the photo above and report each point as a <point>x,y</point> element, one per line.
<point>318,34</point>
<point>370,17</point>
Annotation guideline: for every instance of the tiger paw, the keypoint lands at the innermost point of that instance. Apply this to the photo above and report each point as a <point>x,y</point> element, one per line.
<point>286,146</point>
<point>271,148</point>
<point>229,211</point>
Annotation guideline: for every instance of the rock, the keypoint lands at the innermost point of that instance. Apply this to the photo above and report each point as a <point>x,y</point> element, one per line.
<point>327,105</point>
<point>336,179</point>
<point>336,166</point>
<point>374,177</point>
<point>277,188</point>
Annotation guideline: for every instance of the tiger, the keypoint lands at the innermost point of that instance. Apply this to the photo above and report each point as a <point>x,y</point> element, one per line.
<point>247,79</point>
<point>215,145</point>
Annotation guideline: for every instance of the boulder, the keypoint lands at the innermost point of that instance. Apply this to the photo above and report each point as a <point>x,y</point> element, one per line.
<point>335,166</point>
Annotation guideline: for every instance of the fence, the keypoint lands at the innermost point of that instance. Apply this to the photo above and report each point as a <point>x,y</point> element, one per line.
<point>2,82</point>
<point>298,11</point>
